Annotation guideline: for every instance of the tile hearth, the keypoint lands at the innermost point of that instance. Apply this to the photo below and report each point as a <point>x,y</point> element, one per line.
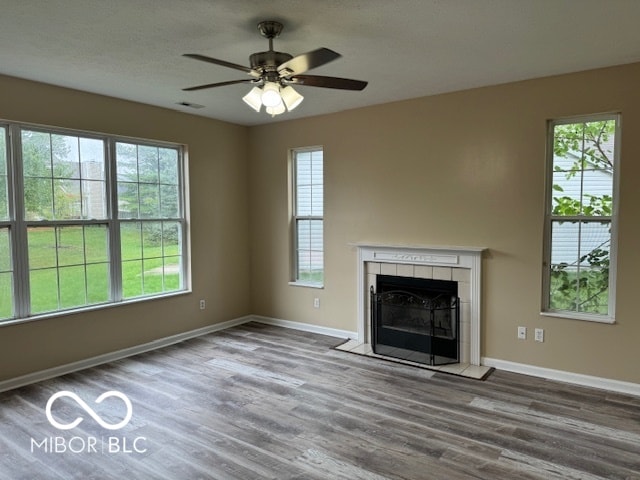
<point>477,372</point>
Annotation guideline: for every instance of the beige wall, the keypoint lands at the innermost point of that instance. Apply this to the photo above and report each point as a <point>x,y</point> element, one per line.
<point>465,168</point>
<point>219,229</point>
<point>460,169</point>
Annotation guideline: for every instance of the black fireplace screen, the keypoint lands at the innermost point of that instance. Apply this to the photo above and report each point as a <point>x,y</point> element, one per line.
<point>416,320</point>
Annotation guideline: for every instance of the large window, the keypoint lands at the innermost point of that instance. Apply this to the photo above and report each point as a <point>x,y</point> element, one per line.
<point>308,211</point>
<point>87,220</point>
<point>580,220</point>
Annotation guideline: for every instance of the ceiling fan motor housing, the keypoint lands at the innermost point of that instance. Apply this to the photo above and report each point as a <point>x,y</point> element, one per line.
<point>268,62</point>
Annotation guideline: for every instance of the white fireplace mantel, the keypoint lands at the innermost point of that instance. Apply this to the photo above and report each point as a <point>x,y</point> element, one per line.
<point>437,256</point>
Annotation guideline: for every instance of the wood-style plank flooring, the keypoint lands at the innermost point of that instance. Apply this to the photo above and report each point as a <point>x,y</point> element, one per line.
<point>262,402</point>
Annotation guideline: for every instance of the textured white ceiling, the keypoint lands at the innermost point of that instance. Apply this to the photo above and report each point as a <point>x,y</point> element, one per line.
<point>132,49</point>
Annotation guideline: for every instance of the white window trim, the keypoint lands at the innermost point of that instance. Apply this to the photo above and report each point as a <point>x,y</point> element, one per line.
<point>609,318</point>
<point>17,223</point>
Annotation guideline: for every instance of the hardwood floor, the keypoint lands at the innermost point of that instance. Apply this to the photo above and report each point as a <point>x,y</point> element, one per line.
<point>262,402</point>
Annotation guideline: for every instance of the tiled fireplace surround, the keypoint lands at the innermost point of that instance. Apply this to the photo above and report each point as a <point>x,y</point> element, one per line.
<point>459,264</point>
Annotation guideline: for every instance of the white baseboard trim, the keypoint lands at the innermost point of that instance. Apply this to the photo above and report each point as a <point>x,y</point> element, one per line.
<point>563,376</point>
<point>117,355</point>
<point>306,327</point>
<point>548,373</point>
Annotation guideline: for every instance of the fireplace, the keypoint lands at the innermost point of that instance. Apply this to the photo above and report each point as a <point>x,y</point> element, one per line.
<point>461,265</point>
<point>415,319</point>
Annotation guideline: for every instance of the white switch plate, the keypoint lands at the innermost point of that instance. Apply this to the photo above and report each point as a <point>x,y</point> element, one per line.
<point>522,333</point>
<point>539,335</point>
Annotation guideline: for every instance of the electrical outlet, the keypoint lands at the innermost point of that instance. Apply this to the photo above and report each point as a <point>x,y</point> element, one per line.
<point>316,302</point>
<point>203,305</point>
<point>539,335</point>
<point>522,333</point>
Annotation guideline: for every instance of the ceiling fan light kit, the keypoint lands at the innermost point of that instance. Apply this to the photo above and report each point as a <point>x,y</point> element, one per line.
<point>273,73</point>
<point>276,99</point>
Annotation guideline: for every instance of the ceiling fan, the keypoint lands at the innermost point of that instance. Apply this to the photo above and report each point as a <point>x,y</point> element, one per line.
<point>273,74</point>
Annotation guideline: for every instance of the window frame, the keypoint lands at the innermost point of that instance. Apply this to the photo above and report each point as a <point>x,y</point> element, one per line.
<point>181,219</point>
<point>295,219</point>
<point>612,219</point>
<point>8,223</point>
<point>18,223</point>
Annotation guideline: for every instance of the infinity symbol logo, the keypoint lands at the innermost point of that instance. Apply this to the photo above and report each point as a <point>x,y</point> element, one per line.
<point>89,410</point>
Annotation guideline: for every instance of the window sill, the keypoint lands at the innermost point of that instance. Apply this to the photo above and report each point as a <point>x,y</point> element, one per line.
<point>307,284</point>
<point>91,308</point>
<point>578,316</point>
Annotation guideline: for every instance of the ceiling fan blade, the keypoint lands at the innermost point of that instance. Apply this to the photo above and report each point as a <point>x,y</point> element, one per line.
<point>215,61</point>
<point>307,61</point>
<point>219,84</point>
<point>328,82</point>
